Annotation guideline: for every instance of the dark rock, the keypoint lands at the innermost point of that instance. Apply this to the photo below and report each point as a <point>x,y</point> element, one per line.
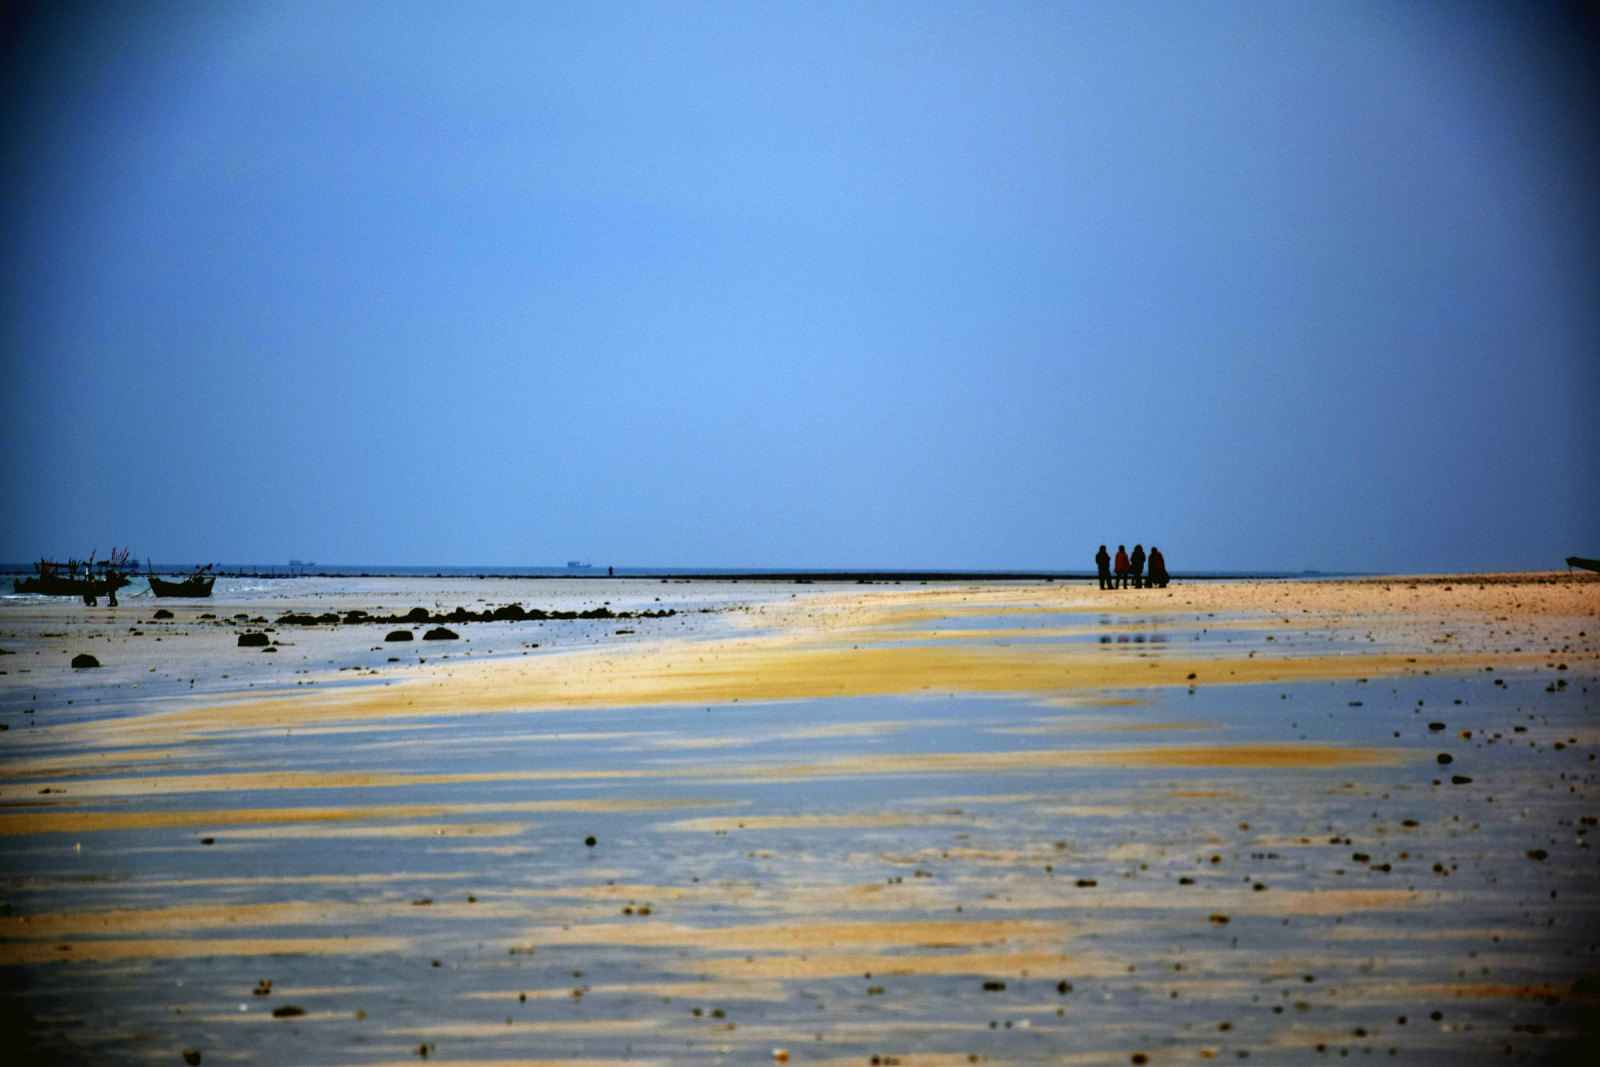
<point>287,1011</point>
<point>1436,726</point>
<point>163,613</point>
<point>398,635</point>
<point>589,841</point>
<point>1538,854</point>
<point>439,633</point>
<point>253,640</point>
<point>1445,757</point>
<point>83,659</point>
<point>191,1056</point>
<point>1460,779</point>
<point>418,614</point>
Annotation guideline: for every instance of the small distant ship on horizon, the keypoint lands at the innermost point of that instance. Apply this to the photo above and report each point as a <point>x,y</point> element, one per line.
<point>578,565</point>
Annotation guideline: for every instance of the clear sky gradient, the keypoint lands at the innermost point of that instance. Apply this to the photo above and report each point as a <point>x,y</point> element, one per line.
<point>977,285</point>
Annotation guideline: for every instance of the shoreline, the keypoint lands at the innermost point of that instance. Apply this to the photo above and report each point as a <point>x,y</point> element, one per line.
<point>1117,820</point>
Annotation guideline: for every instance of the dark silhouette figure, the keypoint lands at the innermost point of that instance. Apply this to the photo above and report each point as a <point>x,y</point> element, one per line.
<point>1158,569</point>
<point>1136,566</point>
<point>1102,562</point>
<point>1121,569</point>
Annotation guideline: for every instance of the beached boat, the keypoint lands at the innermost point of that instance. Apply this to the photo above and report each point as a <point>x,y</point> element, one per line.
<point>1586,564</point>
<point>74,578</point>
<point>197,584</point>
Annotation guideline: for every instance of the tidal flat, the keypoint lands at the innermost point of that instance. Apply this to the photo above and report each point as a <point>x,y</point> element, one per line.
<point>1289,822</point>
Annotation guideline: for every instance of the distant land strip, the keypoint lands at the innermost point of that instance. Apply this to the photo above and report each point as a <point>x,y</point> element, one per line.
<point>681,575</point>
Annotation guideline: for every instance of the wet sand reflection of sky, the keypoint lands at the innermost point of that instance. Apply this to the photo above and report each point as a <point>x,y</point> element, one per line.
<point>1171,870</point>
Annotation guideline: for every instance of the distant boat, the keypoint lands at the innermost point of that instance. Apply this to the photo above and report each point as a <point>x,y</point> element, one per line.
<point>1586,564</point>
<point>197,584</point>
<point>578,565</point>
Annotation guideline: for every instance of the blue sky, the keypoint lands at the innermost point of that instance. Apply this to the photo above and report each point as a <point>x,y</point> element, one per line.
<point>1270,285</point>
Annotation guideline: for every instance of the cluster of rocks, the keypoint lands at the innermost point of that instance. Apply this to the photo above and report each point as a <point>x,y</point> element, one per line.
<point>438,633</point>
<point>508,613</point>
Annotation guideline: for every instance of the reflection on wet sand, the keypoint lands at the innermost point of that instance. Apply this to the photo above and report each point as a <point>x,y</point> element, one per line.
<point>905,824</point>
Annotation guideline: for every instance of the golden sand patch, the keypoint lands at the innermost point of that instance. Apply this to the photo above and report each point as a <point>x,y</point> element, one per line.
<point>140,921</point>
<point>878,636</point>
<point>308,879</point>
<point>865,820</point>
<point>721,672</point>
<point>354,830</point>
<point>13,953</point>
<point>520,1062</point>
<point>60,822</point>
<point>97,762</point>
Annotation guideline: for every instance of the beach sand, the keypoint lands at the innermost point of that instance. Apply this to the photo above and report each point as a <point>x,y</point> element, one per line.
<point>922,823</point>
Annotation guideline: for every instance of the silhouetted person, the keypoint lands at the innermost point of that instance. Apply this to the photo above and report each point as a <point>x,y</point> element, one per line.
<point>1121,568</point>
<point>1158,569</point>
<point>1136,566</point>
<point>1102,562</point>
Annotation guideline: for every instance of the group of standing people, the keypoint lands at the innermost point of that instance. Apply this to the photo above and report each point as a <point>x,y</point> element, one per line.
<point>1125,568</point>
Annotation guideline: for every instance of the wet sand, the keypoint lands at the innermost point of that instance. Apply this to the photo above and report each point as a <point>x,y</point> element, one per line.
<point>1009,822</point>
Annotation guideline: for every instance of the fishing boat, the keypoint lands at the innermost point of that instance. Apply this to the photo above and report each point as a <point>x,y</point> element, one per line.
<point>197,584</point>
<point>1586,564</point>
<point>77,578</point>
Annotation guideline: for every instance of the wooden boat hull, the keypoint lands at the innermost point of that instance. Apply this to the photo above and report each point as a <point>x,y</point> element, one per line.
<point>189,587</point>
<point>1586,564</point>
<point>55,585</point>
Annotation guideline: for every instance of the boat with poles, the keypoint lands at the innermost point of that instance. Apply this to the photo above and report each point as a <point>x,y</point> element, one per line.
<point>75,577</point>
<point>197,584</point>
